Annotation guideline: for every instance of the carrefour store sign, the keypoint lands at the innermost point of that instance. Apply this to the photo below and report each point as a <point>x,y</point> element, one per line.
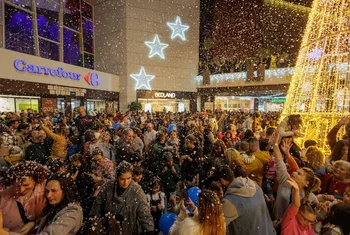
<point>23,66</point>
<point>29,68</point>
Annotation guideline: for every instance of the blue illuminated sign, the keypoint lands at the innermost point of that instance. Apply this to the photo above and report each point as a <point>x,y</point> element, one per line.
<point>21,65</point>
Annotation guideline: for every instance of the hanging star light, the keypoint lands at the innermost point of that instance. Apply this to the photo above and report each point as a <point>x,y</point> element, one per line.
<point>157,48</point>
<point>178,29</point>
<point>142,79</point>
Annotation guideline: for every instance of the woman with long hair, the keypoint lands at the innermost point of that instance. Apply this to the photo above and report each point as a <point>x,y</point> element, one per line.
<point>63,211</point>
<point>208,218</point>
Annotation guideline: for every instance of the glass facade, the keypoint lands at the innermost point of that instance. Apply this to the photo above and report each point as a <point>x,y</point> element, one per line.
<point>65,29</point>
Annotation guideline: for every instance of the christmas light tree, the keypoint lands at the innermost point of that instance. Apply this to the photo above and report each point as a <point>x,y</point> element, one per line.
<point>319,89</point>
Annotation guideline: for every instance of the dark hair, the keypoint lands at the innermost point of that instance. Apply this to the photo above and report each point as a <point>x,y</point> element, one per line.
<point>25,169</point>
<point>137,170</point>
<point>248,134</point>
<point>97,151</point>
<point>22,126</point>
<point>12,121</point>
<point>54,164</point>
<point>70,195</point>
<point>336,152</point>
<point>168,156</point>
<point>215,187</point>
<point>309,143</point>
<point>295,119</point>
<point>159,136</point>
<point>223,172</point>
<point>75,157</point>
<point>270,131</point>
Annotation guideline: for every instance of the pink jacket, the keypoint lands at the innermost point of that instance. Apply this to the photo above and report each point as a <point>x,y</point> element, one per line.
<point>33,208</point>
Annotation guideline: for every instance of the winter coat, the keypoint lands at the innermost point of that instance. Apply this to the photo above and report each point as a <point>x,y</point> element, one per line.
<point>132,206</point>
<point>170,180</point>
<point>66,222</point>
<point>245,209</point>
<point>190,169</point>
<point>284,192</point>
<point>37,152</point>
<point>33,207</point>
<point>256,169</point>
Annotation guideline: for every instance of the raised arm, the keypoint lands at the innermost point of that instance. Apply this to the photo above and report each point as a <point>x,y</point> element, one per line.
<point>332,135</point>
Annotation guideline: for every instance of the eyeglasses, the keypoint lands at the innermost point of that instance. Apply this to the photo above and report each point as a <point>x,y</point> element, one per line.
<point>307,220</point>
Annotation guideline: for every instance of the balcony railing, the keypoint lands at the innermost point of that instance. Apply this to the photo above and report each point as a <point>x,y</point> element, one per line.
<point>272,76</point>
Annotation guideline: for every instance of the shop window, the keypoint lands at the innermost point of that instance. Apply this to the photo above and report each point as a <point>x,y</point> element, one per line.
<point>88,31</point>
<point>27,4</point>
<point>49,50</point>
<point>7,104</point>
<point>47,19</point>
<point>71,14</point>
<point>89,61</point>
<point>72,47</point>
<point>86,10</point>
<point>19,34</point>
<point>24,104</point>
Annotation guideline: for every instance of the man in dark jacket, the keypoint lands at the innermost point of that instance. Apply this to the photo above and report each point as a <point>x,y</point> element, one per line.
<point>126,200</point>
<point>37,151</point>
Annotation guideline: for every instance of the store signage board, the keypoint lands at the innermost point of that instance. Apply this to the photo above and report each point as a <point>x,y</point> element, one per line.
<point>278,100</point>
<point>21,65</point>
<point>165,95</point>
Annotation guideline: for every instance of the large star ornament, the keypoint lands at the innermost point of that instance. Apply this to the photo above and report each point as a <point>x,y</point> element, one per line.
<point>178,29</point>
<point>142,79</point>
<point>157,48</point>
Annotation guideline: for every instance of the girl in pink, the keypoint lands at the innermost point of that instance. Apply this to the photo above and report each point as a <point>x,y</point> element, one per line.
<point>298,218</point>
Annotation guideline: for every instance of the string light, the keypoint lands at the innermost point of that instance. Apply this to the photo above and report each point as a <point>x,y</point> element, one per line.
<point>319,87</point>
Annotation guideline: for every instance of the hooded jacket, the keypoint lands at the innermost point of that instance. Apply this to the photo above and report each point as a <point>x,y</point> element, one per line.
<point>245,209</point>
<point>131,207</point>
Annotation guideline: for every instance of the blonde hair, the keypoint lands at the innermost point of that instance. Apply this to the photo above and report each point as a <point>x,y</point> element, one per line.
<point>315,157</point>
<point>314,183</point>
<point>210,215</point>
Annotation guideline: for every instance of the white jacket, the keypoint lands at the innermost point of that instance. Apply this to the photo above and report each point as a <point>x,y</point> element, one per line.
<point>185,225</point>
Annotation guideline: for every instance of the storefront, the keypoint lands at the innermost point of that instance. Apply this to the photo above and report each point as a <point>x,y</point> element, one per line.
<point>272,105</point>
<point>233,103</point>
<point>173,101</point>
<point>243,98</point>
<point>40,84</point>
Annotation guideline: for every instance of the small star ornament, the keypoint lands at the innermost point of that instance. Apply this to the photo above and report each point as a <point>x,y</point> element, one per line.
<point>178,29</point>
<point>157,48</point>
<point>142,79</point>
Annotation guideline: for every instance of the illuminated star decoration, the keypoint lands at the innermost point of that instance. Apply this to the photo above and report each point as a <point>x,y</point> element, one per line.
<point>142,79</point>
<point>157,48</point>
<point>315,54</point>
<point>178,29</point>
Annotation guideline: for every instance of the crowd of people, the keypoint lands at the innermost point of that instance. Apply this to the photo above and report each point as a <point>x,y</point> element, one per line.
<point>126,173</point>
<point>219,66</point>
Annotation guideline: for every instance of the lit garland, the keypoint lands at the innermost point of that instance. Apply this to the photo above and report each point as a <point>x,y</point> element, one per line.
<point>319,87</point>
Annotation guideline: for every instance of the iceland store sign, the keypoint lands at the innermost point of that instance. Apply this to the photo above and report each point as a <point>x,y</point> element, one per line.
<point>21,65</point>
